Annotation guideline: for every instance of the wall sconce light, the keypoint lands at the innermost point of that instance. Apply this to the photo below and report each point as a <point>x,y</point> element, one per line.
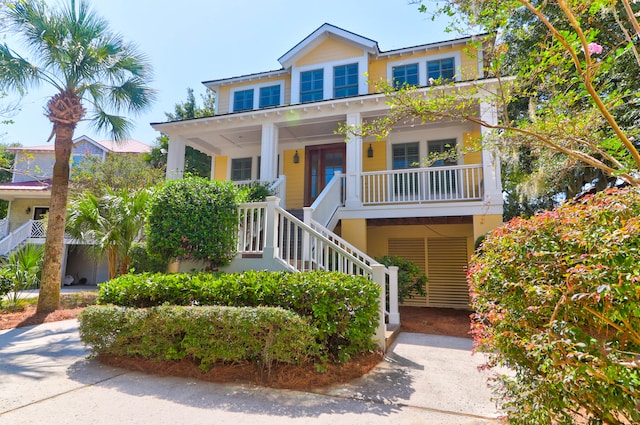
<point>296,158</point>
<point>28,210</point>
<point>370,151</point>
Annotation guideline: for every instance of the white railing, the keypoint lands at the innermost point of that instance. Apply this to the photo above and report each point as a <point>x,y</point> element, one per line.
<point>329,200</point>
<point>418,185</point>
<point>4,227</point>
<point>279,188</point>
<point>271,231</point>
<point>15,238</point>
<point>39,229</point>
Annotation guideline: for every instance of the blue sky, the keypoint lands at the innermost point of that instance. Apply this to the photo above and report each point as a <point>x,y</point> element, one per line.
<point>191,41</point>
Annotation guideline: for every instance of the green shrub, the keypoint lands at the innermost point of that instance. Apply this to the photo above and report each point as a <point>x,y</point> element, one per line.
<point>557,298</point>
<point>142,261</point>
<point>194,219</point>
<point>343,308</point>
<point>411,281</point>
<point>255,192</point>
<point>206,335</point>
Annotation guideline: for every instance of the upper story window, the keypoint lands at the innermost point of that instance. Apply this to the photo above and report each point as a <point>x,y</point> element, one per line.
<point>405,155</point>
<point>311,84</point>
<point>241,169</point>
<point>269,96</point>
<point>243,100</point>
<point>442,152</point>
<point>405,75</point>
<point>345,80</point>
<point>441,70</point>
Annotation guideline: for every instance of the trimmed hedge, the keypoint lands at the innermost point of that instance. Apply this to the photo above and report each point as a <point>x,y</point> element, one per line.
<point>205,334</point>
<point>343,309</point>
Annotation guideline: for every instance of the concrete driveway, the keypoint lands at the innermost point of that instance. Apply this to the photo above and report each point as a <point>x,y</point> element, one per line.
<point>46,378</point>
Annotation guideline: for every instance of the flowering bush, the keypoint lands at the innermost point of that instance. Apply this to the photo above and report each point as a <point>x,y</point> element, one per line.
<point>557,300</point>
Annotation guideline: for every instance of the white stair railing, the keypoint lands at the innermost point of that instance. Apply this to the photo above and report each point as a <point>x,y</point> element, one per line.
<point>329,200</point>
<point>4,227</point>
<point>267,229</point>
<point>15,238</point>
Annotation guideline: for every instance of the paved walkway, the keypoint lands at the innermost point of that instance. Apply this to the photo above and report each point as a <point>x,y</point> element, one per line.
<point>46,377</point>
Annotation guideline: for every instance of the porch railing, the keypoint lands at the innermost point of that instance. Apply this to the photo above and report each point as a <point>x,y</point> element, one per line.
<point>4,227</point>
<point>421,185</point>
<point>269,230</point>
<point>15,238</point>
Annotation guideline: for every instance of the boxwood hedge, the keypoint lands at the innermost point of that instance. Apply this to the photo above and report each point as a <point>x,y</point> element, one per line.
<point>343,309</point>
<point>204,334</point>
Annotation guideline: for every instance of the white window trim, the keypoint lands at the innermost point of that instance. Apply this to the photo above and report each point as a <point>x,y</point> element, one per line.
<point>423,147</point>
<point>422,66</point>
<point>256,93</point>
<point>328,77</point>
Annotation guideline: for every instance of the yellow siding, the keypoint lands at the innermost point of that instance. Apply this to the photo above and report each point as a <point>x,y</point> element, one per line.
<point>18,215</point>
<point>483,224</point>
<point>220,168</point>
<point>377,73</point>
<point>295,179</point>
<point>379,160</point>
<point>471,145</point>
<point>222,97</point>
<point>328,51</point>
<point>354,231</point>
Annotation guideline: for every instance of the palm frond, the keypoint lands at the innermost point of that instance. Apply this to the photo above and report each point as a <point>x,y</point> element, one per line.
<point>117,126</point>
<point>132,95</point>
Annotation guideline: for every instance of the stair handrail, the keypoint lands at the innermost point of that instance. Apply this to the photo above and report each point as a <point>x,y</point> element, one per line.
<point>15,238</point>
<point>278,188</point>
<point>4,227</point>
<point>338,240</point>
<point>329,200</point>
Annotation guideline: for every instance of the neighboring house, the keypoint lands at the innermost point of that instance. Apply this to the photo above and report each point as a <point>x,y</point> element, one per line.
<point>28,195</point>
<point>280,126</point>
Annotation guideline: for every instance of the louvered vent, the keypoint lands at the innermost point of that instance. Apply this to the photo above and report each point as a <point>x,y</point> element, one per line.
<point>412,250</point>
<point>447,285</point>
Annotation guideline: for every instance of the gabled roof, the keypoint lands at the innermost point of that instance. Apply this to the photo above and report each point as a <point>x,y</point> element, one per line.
<point>109,146</point>
<point>318,36</point>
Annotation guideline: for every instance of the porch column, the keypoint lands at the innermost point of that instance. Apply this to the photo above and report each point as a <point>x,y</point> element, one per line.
<point>175,159</point>
<point>490,160</point>
<point>354,164</point>
<point>212,171</point>
<point>269,153</point>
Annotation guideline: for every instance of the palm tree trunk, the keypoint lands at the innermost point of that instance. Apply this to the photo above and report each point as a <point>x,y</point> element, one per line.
<point>49,298</point>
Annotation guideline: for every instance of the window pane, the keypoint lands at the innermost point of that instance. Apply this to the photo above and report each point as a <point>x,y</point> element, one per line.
<point>405,155</point>
<point>345,80</point>
<point>243,100</point>
<point>241,169</point>
<point>405,75</point>
<point>311,84</point>
<point>269,96</point>
<point>441,69</point>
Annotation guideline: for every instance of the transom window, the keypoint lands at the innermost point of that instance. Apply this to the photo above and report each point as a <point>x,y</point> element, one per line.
<point>441,70</point>
<point>405,75</point>
<point>269,96</point>
<point>311,84</point>
<point>345,80</point>
<point>243,100</point>
<point>241,169</point>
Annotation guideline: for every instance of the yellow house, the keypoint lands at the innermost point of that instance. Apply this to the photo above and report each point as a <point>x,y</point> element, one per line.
<point>281,126</point>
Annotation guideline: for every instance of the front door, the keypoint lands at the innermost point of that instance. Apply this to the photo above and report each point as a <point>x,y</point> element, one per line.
<point>324,161</point>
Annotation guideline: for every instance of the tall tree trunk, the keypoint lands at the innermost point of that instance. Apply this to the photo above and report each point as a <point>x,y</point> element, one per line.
<point>49,298</point>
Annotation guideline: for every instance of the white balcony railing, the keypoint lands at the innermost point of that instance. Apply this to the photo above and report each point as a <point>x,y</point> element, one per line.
<point>421,185</point>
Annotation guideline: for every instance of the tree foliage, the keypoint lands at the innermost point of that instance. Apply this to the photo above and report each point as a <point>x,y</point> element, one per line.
<point>196,163</point>
<point>194,219</point>
<point>117,172</point>
<point>93,74</point>
<point>555,72</point>
<point>557,301</point>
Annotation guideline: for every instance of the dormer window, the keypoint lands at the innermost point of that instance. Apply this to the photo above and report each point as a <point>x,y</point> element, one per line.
<point>269,96</point>
<point>405,75</point>
<point>442,70</point>
<point>311,85</point>
<point>345,80</point>
<point>243,100</point>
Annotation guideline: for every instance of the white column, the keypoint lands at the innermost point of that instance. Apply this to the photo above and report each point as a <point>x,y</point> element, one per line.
<point>175,159</point>
<point>381,330</point>
<point>354,164</point>
<point>269,153</point>
<point>490,160</point>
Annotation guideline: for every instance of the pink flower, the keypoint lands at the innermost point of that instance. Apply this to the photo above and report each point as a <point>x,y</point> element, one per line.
<point>594,48</point>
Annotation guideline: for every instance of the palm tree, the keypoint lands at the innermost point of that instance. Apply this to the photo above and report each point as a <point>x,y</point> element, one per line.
<point>111,222</point>
<point>87,66</point>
